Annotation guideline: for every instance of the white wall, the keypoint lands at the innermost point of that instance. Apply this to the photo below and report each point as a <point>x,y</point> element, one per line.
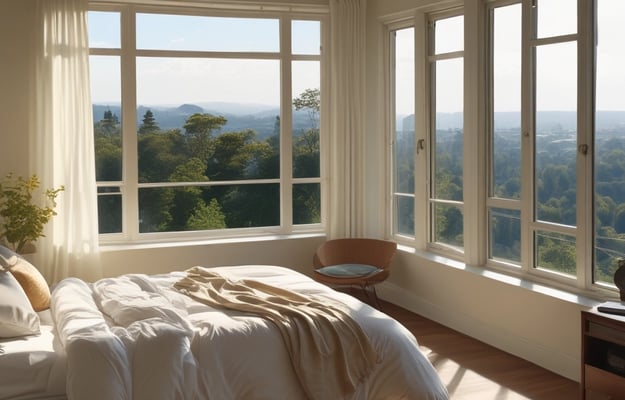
<point>16,38</point>
<point>536,323</point>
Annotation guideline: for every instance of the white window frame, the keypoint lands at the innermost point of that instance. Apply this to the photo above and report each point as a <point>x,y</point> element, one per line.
<point>476,251</point>
<point>128,54</point>
<point>430,148</point>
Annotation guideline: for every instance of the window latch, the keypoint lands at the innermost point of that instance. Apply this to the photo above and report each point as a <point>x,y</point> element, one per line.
<point>583,148</point>
<point>420,145</point>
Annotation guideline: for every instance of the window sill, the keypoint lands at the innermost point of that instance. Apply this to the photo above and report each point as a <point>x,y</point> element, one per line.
<point>583,298</point>
<point>159,244</point>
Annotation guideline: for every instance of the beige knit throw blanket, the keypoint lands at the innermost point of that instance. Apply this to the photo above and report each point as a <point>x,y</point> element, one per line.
<point>330,352</point>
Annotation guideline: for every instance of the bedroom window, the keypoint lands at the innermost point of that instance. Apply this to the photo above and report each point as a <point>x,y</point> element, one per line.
<point>562,205</point>
<point>446,74</point>
<point>205,125</point>
<point>427,130</point>
<point>552,201</point>
<point>533,138</point>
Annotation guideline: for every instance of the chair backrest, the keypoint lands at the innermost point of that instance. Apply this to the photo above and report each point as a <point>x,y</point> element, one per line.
<point>355,251</point>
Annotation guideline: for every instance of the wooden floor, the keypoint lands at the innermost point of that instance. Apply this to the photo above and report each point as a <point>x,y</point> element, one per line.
<point>473,370</point>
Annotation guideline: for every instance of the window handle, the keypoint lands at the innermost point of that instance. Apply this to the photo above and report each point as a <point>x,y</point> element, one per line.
<point>583,148</point>
<point>420,145</point>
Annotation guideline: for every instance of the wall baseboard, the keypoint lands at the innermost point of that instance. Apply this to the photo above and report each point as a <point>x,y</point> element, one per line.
<point>496,336</point>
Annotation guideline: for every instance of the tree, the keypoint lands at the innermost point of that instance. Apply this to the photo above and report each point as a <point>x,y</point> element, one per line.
<point>237,155</point>
<point>186,198</point>
<point>109,122</point>
<point>199,129</point>
<point>159,154</point>
<point>207,216</point>
<point>309,100</point>
<point>149,124</point>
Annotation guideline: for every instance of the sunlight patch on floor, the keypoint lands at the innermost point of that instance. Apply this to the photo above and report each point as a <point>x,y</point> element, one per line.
<point>465,384</point>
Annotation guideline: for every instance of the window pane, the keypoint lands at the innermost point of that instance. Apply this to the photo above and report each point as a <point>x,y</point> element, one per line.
<point>555,252</point>
<point>404,206</point>
<point>306,203</point>
<point>203,123</point>
<point>109,210</point>
<point>448,126</point>
<point>556,133</point>
<point>505,235</point>
<point>403,151</point>
<point>306,107</point>
<point>448,225</point>
<point>306,37</point>
<point>188,208</point>
<point>556,17</point>
<point>106,98</point>
<point>506,145</point>
<point>104,29</point>
<point>252,85</point>
<point>404,140</point>
<point>186,32</point>
<point>449,35</point>
<point>609,148</point>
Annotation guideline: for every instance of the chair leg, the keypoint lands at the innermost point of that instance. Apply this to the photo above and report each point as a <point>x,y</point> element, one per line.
<point>375,303</point>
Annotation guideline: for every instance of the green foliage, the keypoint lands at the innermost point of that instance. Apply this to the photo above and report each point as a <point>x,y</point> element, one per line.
<point>23,219</point>
<point>200,152</point>
<point>207,216</point>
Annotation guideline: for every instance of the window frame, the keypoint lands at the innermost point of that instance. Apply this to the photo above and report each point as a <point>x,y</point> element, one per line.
<point>395,194</point>
<point>128,54</point>
<point>430,140</point>
<point>478,253</point>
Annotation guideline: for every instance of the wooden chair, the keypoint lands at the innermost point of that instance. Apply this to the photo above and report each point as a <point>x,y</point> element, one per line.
<point>354,262</point>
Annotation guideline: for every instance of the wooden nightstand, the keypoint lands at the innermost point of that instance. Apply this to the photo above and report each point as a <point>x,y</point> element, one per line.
<point>603,356</point>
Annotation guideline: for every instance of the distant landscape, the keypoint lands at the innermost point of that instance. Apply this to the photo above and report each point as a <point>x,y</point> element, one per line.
<point>261,118</point>
<point>546,121</point>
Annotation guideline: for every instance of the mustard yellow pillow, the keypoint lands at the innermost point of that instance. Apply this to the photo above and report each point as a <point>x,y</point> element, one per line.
<point>33,283</point>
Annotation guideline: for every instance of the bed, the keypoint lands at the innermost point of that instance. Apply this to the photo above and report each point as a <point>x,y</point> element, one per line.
<point>142,337</point>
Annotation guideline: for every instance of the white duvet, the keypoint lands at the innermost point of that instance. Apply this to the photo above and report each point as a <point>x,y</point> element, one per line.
<point>136,337</point>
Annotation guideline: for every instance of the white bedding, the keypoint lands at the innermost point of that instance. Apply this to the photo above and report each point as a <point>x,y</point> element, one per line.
<point>33,367</point>
<point>136,337</point>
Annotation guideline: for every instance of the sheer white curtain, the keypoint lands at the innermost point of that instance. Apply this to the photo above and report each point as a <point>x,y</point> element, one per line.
<point>347,105</point>
<point>62,150</point>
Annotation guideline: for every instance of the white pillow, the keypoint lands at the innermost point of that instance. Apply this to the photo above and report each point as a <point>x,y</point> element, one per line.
<point>7,257</point>
<point>17,316</point>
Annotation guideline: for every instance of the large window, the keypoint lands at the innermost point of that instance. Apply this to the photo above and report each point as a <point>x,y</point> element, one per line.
<point>206,124</point>
<point>553,133</point>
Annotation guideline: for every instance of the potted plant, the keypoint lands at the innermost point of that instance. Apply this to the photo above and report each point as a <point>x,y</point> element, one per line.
<point>22,219</point>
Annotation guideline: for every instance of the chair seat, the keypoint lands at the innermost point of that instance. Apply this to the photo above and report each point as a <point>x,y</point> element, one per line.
<point>349,270</point>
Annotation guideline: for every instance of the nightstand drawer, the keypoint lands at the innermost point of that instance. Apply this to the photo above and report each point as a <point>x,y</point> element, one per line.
<point>604,382</point>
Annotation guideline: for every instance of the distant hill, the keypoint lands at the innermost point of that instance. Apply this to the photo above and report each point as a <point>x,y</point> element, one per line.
<point>260,118</point>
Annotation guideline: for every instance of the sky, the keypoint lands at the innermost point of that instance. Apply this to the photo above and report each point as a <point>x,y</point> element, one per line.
<point>556,64</point>
<point>180,80</point>
<point>173,81</point>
